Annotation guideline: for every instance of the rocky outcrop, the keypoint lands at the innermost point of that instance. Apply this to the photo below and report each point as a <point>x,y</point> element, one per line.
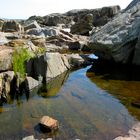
<point>12,26</point>
<point>118,39</point>
<point>100,17</point>
<point>47,66</point>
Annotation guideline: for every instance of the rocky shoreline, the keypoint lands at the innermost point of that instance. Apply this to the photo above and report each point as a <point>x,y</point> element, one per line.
<point>35,50</point>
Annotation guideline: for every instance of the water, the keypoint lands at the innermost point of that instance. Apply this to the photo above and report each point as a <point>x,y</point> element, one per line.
<point>87,106</point>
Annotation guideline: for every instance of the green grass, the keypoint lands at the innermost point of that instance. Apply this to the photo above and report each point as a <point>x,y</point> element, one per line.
<point>20,56</point>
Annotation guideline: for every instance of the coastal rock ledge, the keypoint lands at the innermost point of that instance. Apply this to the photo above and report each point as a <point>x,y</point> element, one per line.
<point>119,39</point>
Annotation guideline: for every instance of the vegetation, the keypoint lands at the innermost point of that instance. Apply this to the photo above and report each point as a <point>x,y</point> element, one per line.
<point>20,56</point>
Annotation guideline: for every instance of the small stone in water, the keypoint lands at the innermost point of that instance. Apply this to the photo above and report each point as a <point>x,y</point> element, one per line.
<point>49,123</point>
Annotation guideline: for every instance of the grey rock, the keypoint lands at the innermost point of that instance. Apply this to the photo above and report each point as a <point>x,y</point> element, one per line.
<point>32,83</point>
<point>32,25</point>
<point>118,38</point>
<point>48,66</point>
<point>5,58</point>
<point>12,26</point>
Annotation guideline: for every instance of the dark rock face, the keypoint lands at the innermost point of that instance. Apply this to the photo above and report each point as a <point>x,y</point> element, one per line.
<point>55,19</point>
<point>12,26</point>
<point>118,40</point>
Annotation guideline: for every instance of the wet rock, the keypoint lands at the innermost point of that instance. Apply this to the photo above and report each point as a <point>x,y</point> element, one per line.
<point>12,26</point>
<point>118,38</point>
<point>47,122</point>
<point>32,25</point>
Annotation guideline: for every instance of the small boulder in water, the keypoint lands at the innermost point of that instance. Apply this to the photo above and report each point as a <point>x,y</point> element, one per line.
<point>47,123</point>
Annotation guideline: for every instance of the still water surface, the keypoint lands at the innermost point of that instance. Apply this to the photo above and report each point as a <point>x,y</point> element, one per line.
<point>87,107</point>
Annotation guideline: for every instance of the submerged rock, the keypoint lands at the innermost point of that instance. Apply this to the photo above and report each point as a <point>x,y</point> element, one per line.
<point>118,38</point>
<point>47,122</point>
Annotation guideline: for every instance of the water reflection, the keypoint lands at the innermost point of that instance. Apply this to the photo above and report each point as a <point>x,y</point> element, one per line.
<point>123,82</point>
<point>85,110</point>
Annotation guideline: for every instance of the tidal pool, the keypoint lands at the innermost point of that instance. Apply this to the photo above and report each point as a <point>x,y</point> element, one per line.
<point>87,106</point>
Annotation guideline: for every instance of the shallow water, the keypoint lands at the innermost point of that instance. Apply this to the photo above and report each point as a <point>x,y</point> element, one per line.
<point>87,106</point>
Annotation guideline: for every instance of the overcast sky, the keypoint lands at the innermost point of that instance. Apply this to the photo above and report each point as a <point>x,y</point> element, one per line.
<point>26,8</point>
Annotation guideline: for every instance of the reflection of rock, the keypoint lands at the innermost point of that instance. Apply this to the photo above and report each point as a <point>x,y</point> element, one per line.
<point>49,123</point>
<point>133,134</point>
<point>5,82</point>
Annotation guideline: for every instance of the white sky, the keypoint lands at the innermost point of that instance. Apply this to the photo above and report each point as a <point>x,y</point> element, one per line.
<point>26,8</point>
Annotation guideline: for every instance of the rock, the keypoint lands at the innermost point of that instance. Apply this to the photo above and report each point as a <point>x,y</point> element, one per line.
<point>5,82</point>
<point>36,32</point>
<point>118,38</point>
<point>29,138</point>
<point>5,58</point>
<point>133,134</point>
<point>49,123</point>
<point>55,19</point>
<point>47,66</point>
<point>1,23</point>
<point>32,25</point>
<point>83,26</point>
<point>3,39</point>
<point>12,26</point>
<point>77,60</point>
<point>31,83</point>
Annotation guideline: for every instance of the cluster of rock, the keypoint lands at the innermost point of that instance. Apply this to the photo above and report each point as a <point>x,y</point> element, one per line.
<point>50,35</point>
<point>119,39</point>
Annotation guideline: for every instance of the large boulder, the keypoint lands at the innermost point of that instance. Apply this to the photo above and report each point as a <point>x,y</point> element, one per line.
<point>47,66</point>
<point>12,26</point>
<point>117,39</point>
<point>32,25</point>
<point>83,26</point>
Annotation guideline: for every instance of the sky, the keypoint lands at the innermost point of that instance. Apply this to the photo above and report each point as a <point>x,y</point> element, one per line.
<point>22,9</point>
